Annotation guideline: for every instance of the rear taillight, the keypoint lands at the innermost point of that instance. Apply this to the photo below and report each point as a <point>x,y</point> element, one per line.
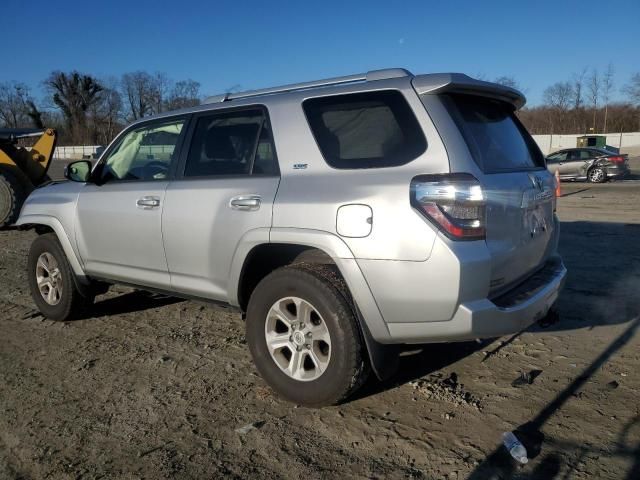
<point>616,159</point>
<point>455,203</point>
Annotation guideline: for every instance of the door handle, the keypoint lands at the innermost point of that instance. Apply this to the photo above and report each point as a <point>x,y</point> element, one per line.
<point>245,202</point>
<point>148,203</point>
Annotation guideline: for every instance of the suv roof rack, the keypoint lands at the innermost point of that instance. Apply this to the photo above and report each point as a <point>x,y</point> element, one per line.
<point>369,76</point>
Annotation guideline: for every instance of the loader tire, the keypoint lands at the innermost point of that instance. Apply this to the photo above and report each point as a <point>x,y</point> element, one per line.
<point>13,193</point>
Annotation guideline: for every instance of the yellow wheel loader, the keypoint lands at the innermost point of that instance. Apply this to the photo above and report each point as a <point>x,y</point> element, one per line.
<point>22,169</point>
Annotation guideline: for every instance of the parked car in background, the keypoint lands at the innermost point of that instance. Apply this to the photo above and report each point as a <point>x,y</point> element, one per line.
<point>595,165</point>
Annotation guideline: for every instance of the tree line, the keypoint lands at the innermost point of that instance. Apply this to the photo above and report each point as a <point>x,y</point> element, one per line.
<point>90,111</point>
<point>582,104</point>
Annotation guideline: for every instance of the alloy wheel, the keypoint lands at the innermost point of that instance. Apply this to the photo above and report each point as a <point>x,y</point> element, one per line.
<point>298,339</point>
<point>49,278</point>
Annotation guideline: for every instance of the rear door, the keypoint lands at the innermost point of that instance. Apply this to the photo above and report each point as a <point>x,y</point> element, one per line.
<point>577,162</point>
<point>519,189</point>
<point>225,188</point>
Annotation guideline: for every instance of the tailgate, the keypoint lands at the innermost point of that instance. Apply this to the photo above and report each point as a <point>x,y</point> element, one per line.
<point>519,191</point>
<point>520,224</point>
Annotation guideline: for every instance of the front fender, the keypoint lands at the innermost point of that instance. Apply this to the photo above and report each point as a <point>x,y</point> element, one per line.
<point>63,238</point>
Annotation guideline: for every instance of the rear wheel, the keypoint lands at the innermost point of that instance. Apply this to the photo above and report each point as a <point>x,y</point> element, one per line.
<point>12,196</point>
<point>597,175</point>
<point>51,280</point>
<point>304,337</point>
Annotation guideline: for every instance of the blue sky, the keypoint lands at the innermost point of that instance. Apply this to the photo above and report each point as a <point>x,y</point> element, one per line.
<point>223,44</point>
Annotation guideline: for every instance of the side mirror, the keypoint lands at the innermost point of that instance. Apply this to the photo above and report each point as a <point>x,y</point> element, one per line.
<point>79,171</point>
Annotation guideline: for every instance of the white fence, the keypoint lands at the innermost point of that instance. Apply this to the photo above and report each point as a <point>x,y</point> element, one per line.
<point>74,153</point>
<point>626,142</point>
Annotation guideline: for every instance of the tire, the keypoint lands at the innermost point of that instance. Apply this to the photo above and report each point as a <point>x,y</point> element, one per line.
<point>12,195</point>
<point>597,175</point>
<point>48,261</point>
<point>342,358</point>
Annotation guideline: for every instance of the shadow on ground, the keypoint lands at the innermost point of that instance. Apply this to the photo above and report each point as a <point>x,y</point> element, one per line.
<point>499,463</point>
<point>603,288</point>
<point>136,301</point>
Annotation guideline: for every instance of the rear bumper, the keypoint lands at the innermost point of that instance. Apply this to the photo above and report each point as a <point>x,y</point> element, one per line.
<point>617,172</point>
<point>484,318</point>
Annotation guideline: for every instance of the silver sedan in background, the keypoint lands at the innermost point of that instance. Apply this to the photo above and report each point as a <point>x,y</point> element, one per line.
<point>595,165</point>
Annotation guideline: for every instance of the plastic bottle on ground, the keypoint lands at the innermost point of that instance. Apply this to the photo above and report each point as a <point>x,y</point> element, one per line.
<point>515,447</point>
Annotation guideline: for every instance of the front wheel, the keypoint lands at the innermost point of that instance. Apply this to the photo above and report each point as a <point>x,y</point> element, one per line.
<point>52,282</point>
<point>304,337</point>
<point>597,175</point>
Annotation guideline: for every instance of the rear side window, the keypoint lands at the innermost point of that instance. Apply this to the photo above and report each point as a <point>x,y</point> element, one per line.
<point>580,155</point>
<point>236,143</point>
<point>365,130</point>
<point>496,138</point>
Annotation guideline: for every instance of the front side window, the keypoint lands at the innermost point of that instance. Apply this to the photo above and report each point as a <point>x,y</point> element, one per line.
<point>143,154</point>
<point>365,130</point>
<point>232,143</point>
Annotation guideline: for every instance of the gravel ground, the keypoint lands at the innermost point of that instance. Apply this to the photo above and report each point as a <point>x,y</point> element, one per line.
<point>155,387</point>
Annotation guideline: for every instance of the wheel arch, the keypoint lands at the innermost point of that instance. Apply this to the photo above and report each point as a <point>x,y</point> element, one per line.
<point>254,261</point>
<point>48,224</point>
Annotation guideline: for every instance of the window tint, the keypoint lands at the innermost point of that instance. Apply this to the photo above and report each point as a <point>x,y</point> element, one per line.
<point>226,143</point>
<point>365,130</point>
<point>143,154</point>
<point>496,138</point>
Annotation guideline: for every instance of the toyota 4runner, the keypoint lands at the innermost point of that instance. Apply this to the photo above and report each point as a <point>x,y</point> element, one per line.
<point>341,216</point>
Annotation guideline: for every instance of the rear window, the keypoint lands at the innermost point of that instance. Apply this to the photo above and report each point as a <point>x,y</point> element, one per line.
<point>365,130</point>
<point>496,138</point>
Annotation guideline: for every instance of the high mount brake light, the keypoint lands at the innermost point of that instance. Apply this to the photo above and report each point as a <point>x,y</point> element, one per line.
<point>455,203</point>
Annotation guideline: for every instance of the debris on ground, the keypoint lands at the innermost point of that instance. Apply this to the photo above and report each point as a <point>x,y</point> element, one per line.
<point>525,378</point>
<point>435,387</point>
<point>250,427</point>
<point>515,447</point>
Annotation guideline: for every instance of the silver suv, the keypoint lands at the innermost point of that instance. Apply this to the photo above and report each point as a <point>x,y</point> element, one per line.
<point>342,217</point>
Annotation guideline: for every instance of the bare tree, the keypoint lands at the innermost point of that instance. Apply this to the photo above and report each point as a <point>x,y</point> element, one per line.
<point>74,94</point>
<point>607,86</point>
<point>508,81</point>
<point>35,114</point>
<point>559,95</point>
<point>14,104</point>
<point>578,88</point>
<point>162,85</point>
<point>185,93</point>
<point>594,86</point>
<point>107,112</point>
<point>632,89</point>
<point>139,90</point>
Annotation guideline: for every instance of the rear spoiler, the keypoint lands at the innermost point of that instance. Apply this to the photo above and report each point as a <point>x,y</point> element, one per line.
<point>436,83</point>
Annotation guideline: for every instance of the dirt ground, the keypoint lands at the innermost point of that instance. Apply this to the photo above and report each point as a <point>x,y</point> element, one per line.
<point>155,387</point>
